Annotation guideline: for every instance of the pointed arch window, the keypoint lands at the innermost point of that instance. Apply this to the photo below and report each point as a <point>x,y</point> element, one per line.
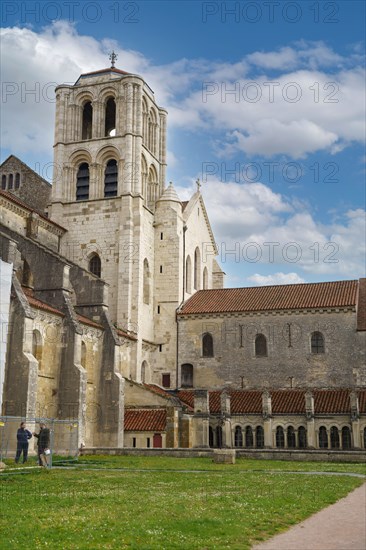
<point>10,181</point>
<point>317,342</point>
<point>3,182</point>
<point>207,345</point>
<point>95,265</point>
<point>110,117</point>
<point>82,182</point>
<point>259,437</point>
<point>280,437</point>
<point>17,180</point>
<point>323,437</point>
<point>87,122</point>
<point>260,346</point>
<point>197,269</point>
<point>83,355</point>
<point>238,437</point>
<point>111,179</point>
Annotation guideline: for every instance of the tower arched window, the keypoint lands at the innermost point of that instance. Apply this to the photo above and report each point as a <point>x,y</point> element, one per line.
<point>144,122</point>
<point>10,181</point>
<point>152,187</point>
<point>17,180</point>
<point>3,182</point>
<point>110,117</point>
<point>249,436</point>
<point>146,282</point>
<point>205,279</point>
<point>260,345</point>
<point>259,437</point>
<point>95,265</point>
<point>111,179</point>
<point>207,345</point>
<point>346,438</point>
<point>334,438</point>
<point>317,342</point>
<point>280,437</point>
<point>187,376</point>
<point>323,438</point>
<point>87,121</point>
<point>238,437</point>
<point>188,275</point>
<point>197,269</point>
<point>82,182</point>
<point>152,131</point>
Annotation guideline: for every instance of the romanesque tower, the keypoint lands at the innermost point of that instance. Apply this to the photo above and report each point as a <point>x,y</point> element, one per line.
<point>122,224</point>
<point>109,170</point>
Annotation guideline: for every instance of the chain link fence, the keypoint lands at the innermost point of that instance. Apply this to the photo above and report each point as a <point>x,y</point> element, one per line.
<point>63,440</point>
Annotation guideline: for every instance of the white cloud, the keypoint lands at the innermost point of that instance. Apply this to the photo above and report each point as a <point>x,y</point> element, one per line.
<point>275,279</point>
<point>264,127</point>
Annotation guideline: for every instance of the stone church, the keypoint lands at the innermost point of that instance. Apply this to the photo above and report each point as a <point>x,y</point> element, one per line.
<point>118,317</point>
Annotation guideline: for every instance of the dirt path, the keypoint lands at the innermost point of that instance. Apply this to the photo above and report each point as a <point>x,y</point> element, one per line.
<point>341,526</point>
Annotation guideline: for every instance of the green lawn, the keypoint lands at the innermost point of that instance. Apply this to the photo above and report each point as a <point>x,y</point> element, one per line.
<point>163,507</point>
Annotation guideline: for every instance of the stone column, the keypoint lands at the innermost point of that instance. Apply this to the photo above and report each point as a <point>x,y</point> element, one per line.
<point>355,420</point>
<point>267,419</point>
<point>226,414</point>
<point>98,119</point>
<point>310,421</point>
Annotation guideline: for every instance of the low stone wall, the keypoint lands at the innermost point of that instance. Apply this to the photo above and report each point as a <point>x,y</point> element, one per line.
<point>264,454</point>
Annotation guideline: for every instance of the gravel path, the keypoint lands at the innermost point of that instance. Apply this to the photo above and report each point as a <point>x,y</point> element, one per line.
<point>341,526</point>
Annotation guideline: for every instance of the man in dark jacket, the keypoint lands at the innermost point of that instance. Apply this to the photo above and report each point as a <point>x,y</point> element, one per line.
<point>22,442</point>
<point>43,443</point>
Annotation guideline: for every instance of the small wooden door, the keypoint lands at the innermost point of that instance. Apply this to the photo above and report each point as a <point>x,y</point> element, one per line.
<point>157,441</point>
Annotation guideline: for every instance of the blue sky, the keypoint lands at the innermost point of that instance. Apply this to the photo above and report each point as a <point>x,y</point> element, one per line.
<point>281,157</point>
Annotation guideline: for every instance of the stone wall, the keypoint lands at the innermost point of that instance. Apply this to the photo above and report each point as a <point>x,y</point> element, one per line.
<point>20,180</point>
<point>288,363</point>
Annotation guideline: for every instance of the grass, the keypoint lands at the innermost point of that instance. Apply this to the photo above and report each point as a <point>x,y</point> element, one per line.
<point>215,507</point>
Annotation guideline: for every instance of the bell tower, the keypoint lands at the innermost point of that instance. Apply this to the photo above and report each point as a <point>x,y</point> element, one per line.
<point>109,171</point>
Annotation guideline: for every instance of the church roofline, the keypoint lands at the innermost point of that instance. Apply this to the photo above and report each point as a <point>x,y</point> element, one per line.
<point>25,166</point>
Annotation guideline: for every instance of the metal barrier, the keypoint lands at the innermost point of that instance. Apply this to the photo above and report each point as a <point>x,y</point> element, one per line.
<point>63,440</point>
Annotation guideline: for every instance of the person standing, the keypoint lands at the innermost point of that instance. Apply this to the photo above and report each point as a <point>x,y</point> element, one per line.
<point>23,435</point>
<point>43,443</point>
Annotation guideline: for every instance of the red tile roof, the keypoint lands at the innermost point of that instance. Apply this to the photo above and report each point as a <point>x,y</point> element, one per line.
<point>288,401</point>
<point>268,298</point>
<point>332,401</point>
<point>145,420</point>
<point>362,401</point>
<point>291,401</point>
<point>23,204</point>
<point>38,304</point>
<point>244,401</point>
